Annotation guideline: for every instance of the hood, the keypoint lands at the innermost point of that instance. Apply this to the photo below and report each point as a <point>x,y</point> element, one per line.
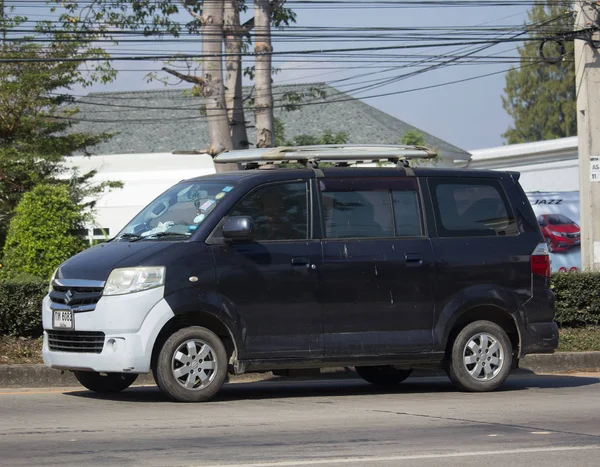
<point>97,262</point>
<point>564,228</point>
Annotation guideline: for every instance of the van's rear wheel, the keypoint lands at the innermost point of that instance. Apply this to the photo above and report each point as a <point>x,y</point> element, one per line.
<point>105,382</point>
<point>385,375</point>
<point>480,358</point>
<point>192,365</point>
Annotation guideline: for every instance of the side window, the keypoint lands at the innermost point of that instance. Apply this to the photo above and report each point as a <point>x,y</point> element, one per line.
<point>471,208</point>
<point>279,211</point>
<point>363,208</point>
<point>407,213</point>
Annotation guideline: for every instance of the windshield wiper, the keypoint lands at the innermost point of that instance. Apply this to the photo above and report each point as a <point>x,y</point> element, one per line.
<point>160,235</point>
<point>130,236</point>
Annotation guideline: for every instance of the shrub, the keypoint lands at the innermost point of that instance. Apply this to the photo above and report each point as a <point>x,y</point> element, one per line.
<point>21,307</point>
<point>577,303</point>
<point>41,235</point>
<point>577,298</point>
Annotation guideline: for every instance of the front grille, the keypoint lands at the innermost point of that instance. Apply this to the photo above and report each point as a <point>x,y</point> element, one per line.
<point>573,235</point>
<point>75,296</point>
<point>76,341</point>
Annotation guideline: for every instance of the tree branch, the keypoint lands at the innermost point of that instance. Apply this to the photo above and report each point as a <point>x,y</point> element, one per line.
<point>187,78</point>
<point>187,8</point>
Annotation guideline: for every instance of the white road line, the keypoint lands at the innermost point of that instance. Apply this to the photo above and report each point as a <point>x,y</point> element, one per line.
<point>356,460</point>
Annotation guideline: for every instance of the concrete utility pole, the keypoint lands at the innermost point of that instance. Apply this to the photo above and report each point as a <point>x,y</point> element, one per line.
<point>587,72</point>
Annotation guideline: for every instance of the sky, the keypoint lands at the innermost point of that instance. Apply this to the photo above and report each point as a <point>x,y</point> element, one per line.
<point>468,114</point>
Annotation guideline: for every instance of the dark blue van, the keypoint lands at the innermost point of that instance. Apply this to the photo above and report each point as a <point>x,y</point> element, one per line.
<point>323,263</point>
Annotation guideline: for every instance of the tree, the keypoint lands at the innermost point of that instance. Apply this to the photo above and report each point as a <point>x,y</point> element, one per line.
<point>34,122</point>
<point>413,138</point>
<point>213,20</point>
<point>42,233</point>
<point>540,97</point>
<point>327,137</point>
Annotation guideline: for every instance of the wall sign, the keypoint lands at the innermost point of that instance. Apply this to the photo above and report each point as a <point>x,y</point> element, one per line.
<point>595,169</point>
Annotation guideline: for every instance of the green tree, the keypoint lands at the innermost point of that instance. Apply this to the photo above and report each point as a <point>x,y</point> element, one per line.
<point>42,233</point>
<point>413,138</point>
<point>540,97</point>
<point>35,115</point>
<point>327,137</point>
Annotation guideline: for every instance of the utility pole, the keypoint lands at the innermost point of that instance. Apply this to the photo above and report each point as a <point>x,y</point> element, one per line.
<point>587,72</point>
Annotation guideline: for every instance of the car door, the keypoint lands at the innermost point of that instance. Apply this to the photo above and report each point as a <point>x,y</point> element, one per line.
<point>378,276</point>
<point>273,282</point>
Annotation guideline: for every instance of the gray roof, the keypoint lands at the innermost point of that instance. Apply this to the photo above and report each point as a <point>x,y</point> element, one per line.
<point>170,120</point>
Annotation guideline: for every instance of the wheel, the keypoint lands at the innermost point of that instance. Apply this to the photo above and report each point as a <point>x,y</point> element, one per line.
<point>382,375</point>
<point>480,358</point>
<point>549,243</point>
<point>192,365</point>
<point>105,382</point>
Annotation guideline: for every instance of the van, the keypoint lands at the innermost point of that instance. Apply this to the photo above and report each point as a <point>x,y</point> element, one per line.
<point>310,258</point>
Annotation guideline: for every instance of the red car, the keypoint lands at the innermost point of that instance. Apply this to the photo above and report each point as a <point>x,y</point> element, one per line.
<point>560,232</point>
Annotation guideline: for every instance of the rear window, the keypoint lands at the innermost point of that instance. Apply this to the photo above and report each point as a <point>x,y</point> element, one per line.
<point>471,208</point>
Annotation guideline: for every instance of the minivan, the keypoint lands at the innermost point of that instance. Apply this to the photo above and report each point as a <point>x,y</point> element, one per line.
<point>307,258</point>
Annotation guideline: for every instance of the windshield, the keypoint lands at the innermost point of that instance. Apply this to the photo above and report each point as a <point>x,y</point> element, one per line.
<point>177,213</point>
<point>559,219</point>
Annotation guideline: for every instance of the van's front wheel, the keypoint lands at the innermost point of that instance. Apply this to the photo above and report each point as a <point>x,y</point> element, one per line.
<point>105,382</point>
<point>192,365</point>
<point>480,358</point>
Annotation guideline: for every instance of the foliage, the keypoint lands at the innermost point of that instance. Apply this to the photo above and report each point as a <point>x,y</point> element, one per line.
<point>41,234</point>
<point>20,307</point>
<point>540,97</point>
<point>577,299</point>
<point>577,308</point>
<point>327,137</point>
<point>34,123</point>
<point>413,138</point>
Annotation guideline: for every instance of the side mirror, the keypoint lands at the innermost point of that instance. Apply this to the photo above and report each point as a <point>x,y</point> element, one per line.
<point>238,229</point>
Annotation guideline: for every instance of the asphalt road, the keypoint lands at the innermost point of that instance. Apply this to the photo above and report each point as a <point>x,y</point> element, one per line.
<point>535,421</point>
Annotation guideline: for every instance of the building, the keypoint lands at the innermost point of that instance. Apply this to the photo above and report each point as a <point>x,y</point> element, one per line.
<point>545,166</point>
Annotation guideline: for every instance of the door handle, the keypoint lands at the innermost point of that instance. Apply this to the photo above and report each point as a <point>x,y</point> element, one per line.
<point>301,262</point>
<point>413,259</point>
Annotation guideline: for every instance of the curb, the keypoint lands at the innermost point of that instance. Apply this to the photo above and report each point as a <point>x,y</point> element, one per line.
<point>39,376</point>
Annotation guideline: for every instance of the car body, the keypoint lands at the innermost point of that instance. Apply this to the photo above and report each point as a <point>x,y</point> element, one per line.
<point>560,232</point>
<point>385,269</point>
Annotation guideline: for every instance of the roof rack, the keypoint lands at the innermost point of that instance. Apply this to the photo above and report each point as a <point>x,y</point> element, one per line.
<point>340,154</point>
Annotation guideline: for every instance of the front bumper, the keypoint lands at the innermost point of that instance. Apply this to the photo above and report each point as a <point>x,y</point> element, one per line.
<point>130,323</point>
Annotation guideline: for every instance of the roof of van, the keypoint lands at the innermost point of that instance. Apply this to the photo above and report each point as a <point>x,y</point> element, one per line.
<point>287,174</point>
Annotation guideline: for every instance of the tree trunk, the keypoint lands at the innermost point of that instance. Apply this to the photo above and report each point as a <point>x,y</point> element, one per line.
<point>233,75</point>
<point>212,71</point>
<point>263,102</point>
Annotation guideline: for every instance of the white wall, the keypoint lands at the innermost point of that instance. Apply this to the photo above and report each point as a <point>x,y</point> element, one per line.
<point>145,176</point>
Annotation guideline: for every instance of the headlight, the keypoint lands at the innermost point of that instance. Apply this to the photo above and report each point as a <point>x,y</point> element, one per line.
<point>129,280</point>
<point>558,234</point>
<point>50,288</point>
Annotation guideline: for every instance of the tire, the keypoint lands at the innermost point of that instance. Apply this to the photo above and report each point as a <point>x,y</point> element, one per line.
<point>382,375</point>
<point>550,245</point>
<point>470,372</point>
<point>105,382</point>
<point>191,365</point>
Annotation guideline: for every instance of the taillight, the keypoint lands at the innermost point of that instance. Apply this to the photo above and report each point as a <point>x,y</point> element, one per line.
<point>540,261</point>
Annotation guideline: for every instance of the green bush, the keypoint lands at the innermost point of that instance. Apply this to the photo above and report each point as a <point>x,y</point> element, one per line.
<point>577,299</point>
<point>577,303</point>
<point>21,307</point>
<point>41,234</point>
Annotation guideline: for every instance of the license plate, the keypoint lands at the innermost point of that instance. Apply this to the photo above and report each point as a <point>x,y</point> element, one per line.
<point>62,320</point>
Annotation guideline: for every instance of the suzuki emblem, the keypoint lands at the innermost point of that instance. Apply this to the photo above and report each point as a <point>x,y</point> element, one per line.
<point>68,297</point>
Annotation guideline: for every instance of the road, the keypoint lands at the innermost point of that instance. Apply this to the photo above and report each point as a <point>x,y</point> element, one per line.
<point>535,420</point>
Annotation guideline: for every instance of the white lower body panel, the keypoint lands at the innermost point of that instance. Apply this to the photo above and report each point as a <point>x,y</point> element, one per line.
<point>131,323</point>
